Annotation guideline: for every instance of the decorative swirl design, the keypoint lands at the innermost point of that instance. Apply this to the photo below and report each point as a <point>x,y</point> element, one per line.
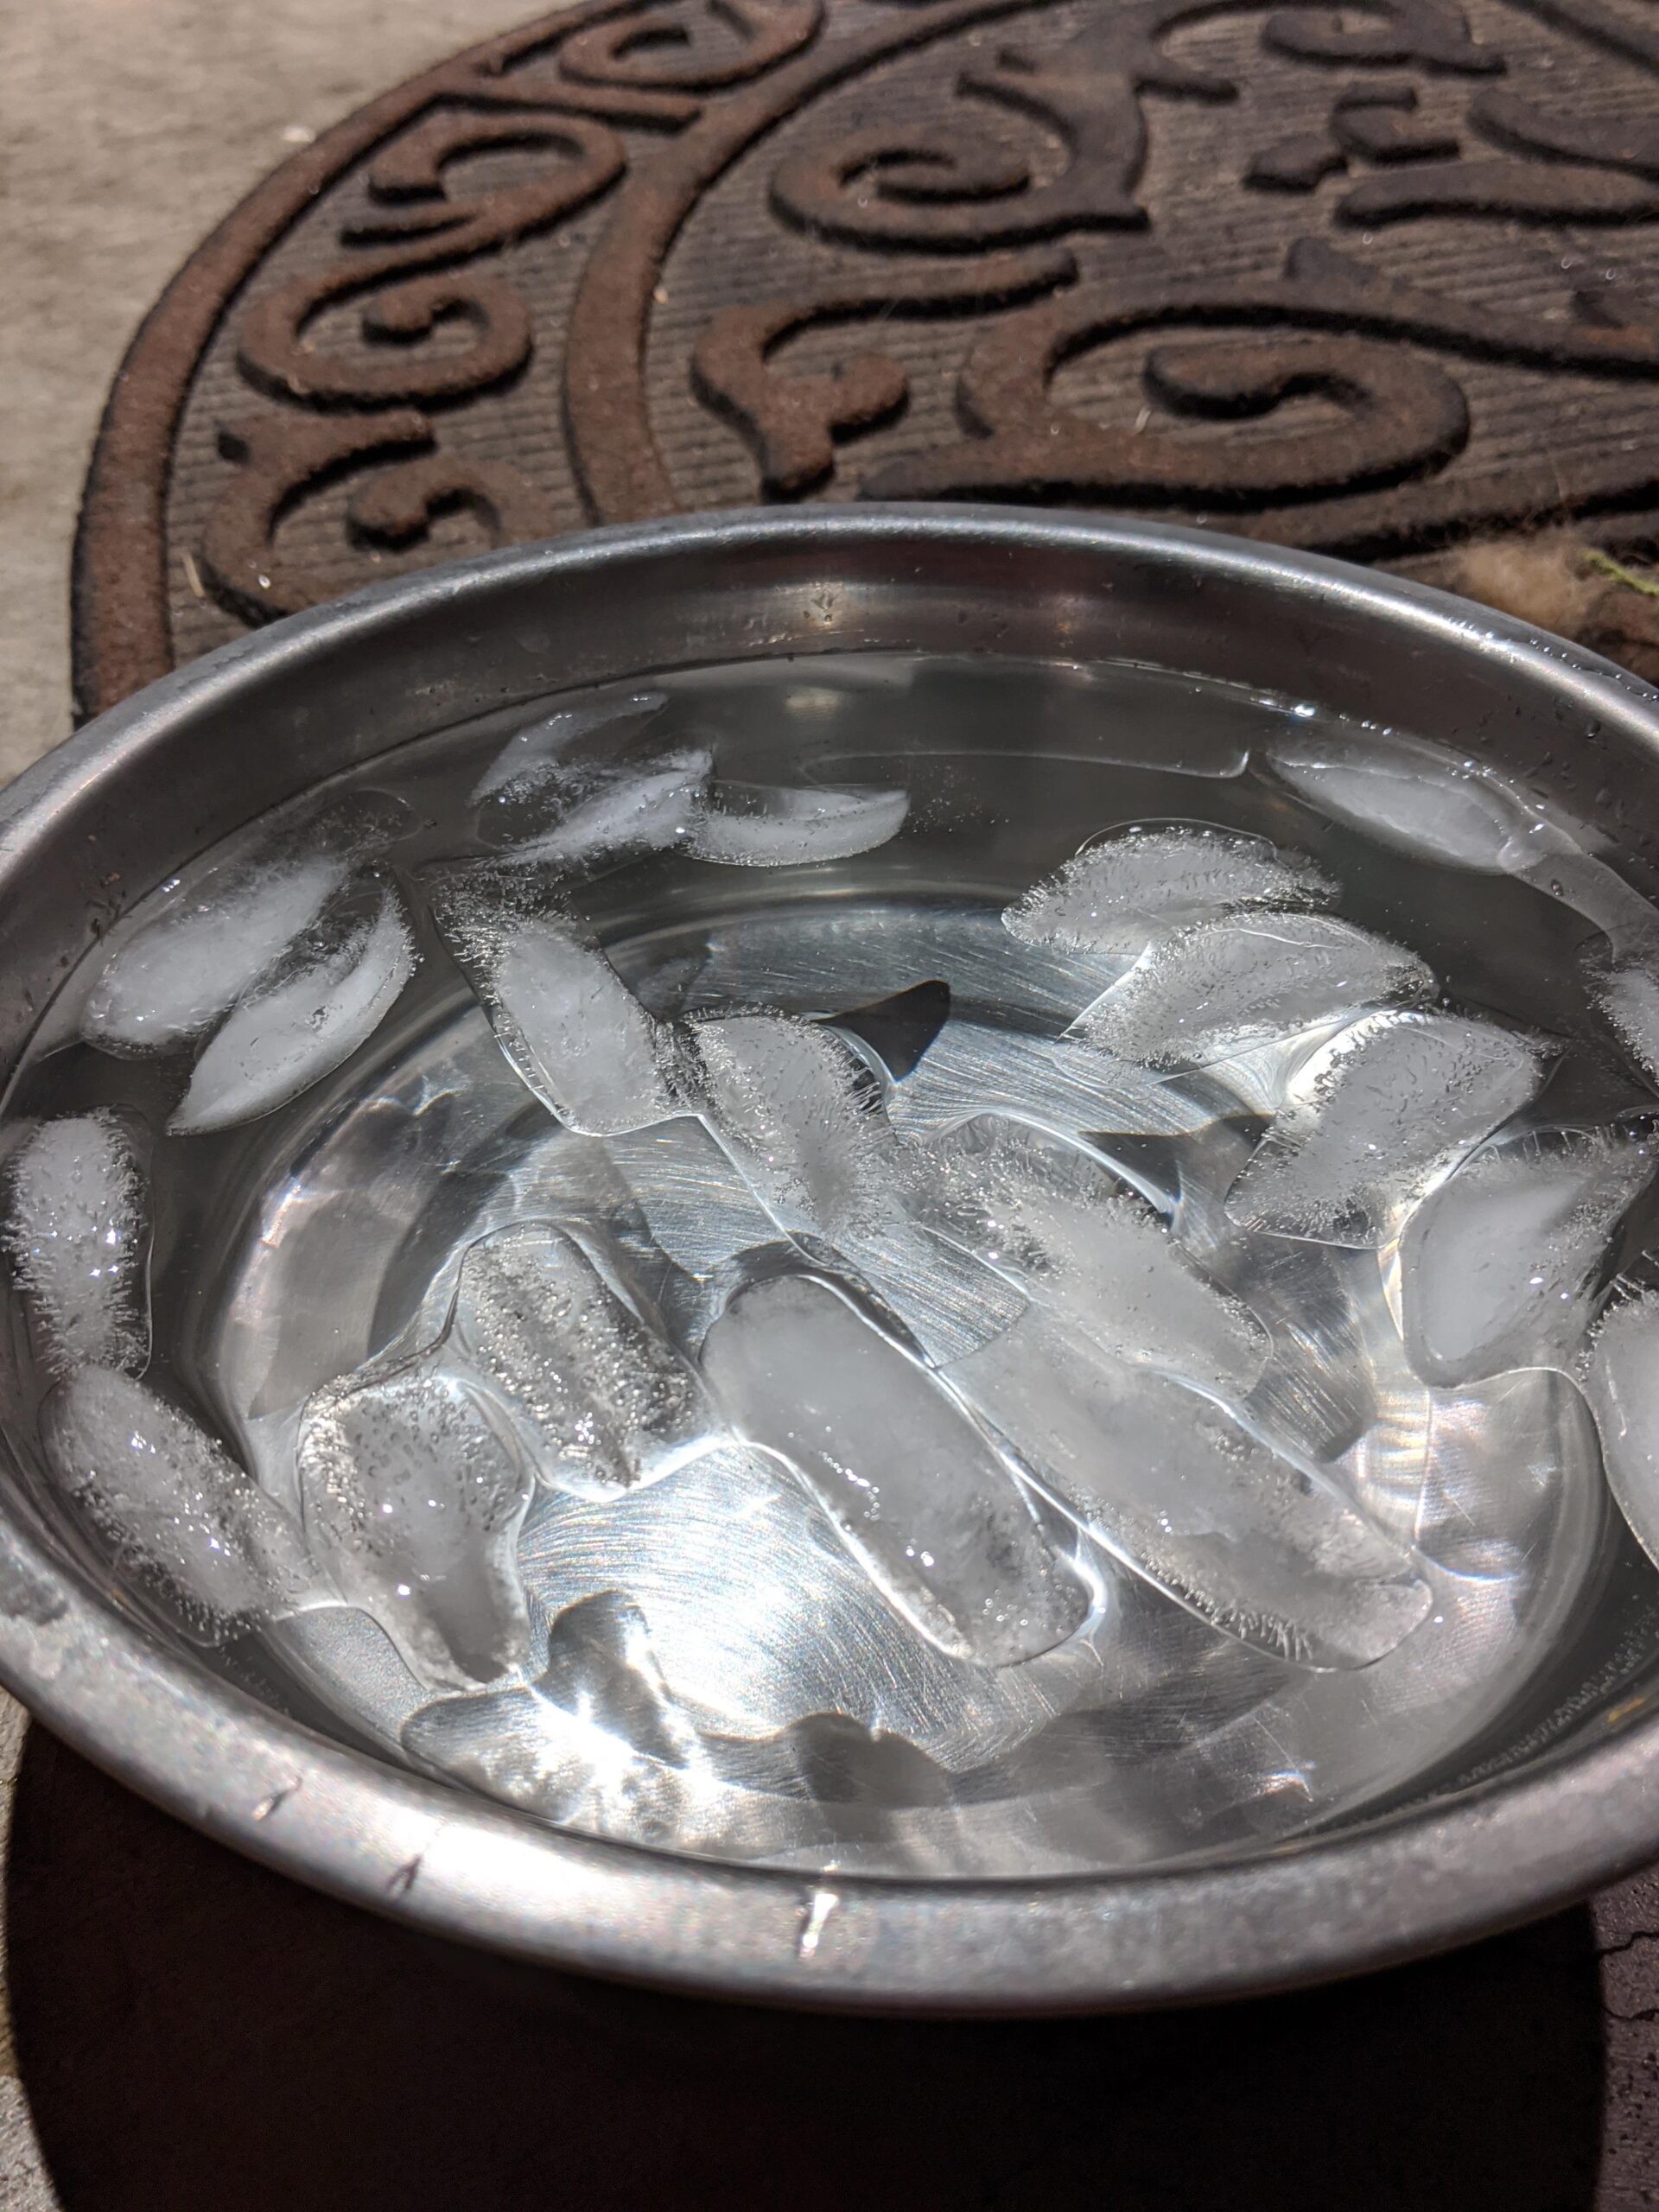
<point>793,420</point>
<point>274,350</point>
<point>1399,415</point>
<point>284,459</point>
<point>696,48</point>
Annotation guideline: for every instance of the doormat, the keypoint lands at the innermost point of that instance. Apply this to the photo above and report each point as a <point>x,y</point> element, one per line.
<point>1382,281</point>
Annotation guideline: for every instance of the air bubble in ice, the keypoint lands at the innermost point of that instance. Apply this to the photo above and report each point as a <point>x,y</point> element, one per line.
<point>78,1231</point>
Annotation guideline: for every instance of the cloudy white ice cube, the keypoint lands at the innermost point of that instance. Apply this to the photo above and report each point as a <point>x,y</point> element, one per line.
<point>1222,984</point>
<point>1621,1379</point>
<point>169,1499</point>
<point>1114,895</point>
<point>1373,1116</point>
<point>1256,1540</point>
<point>530,753</point>
<point>1059,1225</point>
<point>773,825</point>
<point>173,974</point>
<point>77,1227</point>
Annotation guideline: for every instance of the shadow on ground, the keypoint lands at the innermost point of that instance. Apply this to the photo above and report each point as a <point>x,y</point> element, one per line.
<point>196,2034</point>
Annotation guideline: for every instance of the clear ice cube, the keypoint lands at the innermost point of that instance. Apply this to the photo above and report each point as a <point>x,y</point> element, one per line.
<point>1066,1231</point>
<point>171,1500</point>
<point>1499,1268</point>
<point>565,1019</point>
<point>602,1398</point>
<point>531,754</point>
<point>1219,985</point>
<point>1371,1119</point>
<point>1258,1542</point>
<point>78,1231</point>
<point>413,1496</point>
<point>337,985</point>
<point>771,825</point>
<point>612,813</point>
<point>1118,893</point>
<point>919,1494</point>
<point>1622,1383</point>
<point>170,977</point>
<point>1418,798</point>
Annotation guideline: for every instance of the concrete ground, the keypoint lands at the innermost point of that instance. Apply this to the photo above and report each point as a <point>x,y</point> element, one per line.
<point>127,129</point>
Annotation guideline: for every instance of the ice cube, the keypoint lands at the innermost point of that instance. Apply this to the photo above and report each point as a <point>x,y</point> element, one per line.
<point>413,1497</point>
<point>773,825</point>
<point>1218,986</point>
<point>605,1399</point>
<point>172,1501</point>
<point>1630,1000</point>
<point>1416,796</point>
<point>914,1487</point>
<point>606,814</point>
<point>1116,895</point>
<point>173,975</point>
<point>78,1231</point>
<point>337,985</point>
<point>529,755</point>
<point>797,1107</point>
<point>1499,1268</point>
<point>1621,1380</point>
<point>798,1112</point>
<point>1259,1543</point>
<point>1372,1118</point>
<point>1066,1231</point>
<point>565,1019</point>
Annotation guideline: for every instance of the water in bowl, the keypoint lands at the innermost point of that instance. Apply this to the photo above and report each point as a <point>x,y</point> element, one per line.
<point>956,1268</point>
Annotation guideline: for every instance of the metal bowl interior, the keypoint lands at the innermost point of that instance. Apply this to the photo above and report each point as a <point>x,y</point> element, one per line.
<point>1575,1798</point>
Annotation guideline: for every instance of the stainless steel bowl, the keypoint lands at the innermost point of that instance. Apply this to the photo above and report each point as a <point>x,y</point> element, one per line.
<point>127,801</point>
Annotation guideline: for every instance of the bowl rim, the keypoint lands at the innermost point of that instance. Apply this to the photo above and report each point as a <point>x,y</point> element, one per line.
<point>457,1866</point>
